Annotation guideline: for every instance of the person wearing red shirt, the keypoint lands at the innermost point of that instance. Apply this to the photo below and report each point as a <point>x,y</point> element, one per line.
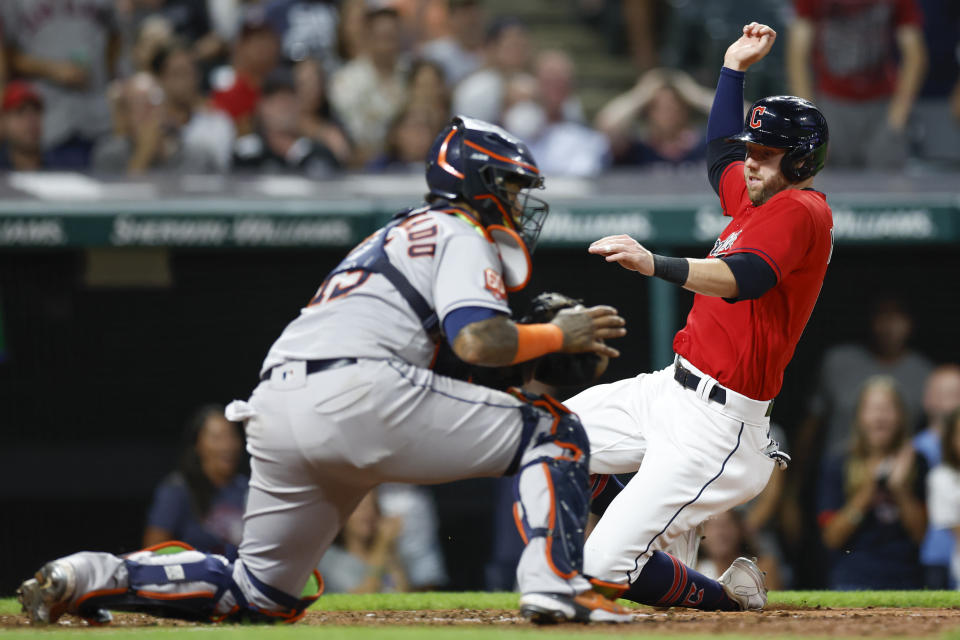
<point>697,432</point>
<point>866,61</point>
<point>237,90</point>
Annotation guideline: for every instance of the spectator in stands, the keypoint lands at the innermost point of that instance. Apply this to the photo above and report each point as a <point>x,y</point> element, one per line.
<point>508,52</point>
<point>418,546</point>
<point>653,123</point>
<point>941,398</point>
<point>426,85</point>
<point>825,432</point>
<point>201,502</point>
<point>872,498</point>
<point>140,142</point>
<point>317,120</point>
<point>421,20</point>
<point>640,23</point>
<point>461,52</point>
<point>409,138</point>
<point>256,53</point>
<point>845,367</point>
<point>725,538</point>
<point>936,125</point>
<point>190,20</point>
<point>364,557</point>
<point>68,48</point>
<point>369,91</point>
<point>864,92</point>
<point>550,121</point>
<point>22,132</point>
<point>943,497</point>
<point>205,135</point>
<point>352,34</point>
<point>277,144</point>
<point>154,33</point>
<point>307,29</point>
<point>162,123</point>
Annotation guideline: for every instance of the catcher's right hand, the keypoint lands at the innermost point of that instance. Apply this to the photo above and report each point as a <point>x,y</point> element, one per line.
<point>585,329</point>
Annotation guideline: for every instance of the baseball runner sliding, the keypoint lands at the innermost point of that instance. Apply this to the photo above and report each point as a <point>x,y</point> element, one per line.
<point>697,432</point>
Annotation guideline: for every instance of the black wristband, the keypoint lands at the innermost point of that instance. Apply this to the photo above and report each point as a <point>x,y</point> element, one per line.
<point>675,270</point>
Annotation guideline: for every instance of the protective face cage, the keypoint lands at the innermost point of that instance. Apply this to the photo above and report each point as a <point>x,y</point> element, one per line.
<point>522,211</point>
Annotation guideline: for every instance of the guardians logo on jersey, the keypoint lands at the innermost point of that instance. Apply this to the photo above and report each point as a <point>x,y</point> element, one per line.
<point>722,245</point>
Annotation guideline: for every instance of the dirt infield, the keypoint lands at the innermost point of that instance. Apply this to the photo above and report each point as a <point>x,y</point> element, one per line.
<point>780,620</point>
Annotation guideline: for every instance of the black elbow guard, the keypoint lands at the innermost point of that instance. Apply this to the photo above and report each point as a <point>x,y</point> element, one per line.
<point>753,275</point>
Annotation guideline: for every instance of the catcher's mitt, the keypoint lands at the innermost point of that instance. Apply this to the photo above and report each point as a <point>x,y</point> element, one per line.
<point>561,369</point>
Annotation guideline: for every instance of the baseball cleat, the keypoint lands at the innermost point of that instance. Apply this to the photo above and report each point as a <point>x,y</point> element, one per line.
<point>589,606</point>
<point>46,595</point>
<point>744,583</point>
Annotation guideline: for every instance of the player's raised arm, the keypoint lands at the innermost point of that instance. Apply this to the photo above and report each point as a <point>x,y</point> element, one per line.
<point>726,115</point>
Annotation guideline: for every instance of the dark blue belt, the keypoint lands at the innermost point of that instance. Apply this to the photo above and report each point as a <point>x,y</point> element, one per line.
<point>691,381</point>
<point>313,366</point>
<point>718,394</point>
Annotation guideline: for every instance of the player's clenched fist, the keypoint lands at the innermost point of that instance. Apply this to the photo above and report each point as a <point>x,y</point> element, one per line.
<point>751,47</point>
<point>626,251</point>
<point>585,329</point>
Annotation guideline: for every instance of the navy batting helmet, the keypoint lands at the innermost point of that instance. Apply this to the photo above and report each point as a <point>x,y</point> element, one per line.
<point>473,161</point>
<point>791,123</point>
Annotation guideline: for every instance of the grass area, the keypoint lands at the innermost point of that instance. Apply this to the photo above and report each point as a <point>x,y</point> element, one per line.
<point>502,600</point>
<point>854,599</point>
<point>471,600</point>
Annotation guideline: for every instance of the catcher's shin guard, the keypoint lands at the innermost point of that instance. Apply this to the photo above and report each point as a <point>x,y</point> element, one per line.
<point>170,580</point>
<point>173,580</point>
<point>552,497</point>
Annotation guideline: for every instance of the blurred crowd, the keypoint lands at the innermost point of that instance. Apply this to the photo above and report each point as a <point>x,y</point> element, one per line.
<point>315,87</point>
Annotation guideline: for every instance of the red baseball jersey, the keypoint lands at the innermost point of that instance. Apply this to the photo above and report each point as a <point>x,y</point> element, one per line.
<point>746,345</point>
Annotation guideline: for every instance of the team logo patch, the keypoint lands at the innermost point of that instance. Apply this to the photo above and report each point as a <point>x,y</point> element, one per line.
<point>724,244</point>
<point>694,596</point>
<point>493,282</point>
<point>755,117</point>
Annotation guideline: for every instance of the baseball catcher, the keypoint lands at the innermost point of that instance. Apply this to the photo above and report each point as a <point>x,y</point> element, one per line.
<point>348,400</point>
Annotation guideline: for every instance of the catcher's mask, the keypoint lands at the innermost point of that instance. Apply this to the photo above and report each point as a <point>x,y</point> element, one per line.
<point>484,166</point>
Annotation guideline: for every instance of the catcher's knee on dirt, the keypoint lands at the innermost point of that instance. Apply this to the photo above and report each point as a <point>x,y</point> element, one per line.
<point>551,487</point>
<point>173,580</point>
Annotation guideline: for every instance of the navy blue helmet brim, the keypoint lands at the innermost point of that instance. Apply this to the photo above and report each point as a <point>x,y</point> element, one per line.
<point>766,140</point>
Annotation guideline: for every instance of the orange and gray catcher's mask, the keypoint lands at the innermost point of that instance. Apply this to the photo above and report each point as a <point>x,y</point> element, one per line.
<point>476,162</point>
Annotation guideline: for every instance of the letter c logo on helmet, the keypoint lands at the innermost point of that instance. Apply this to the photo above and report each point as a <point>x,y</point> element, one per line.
<point>793,124</point>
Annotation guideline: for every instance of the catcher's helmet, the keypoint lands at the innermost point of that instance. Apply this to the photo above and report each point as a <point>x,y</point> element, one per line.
<point>794,124</point>
<point>472,160</point>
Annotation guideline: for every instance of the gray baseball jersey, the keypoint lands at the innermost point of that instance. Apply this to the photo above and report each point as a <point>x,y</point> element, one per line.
<point>450,261</point>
